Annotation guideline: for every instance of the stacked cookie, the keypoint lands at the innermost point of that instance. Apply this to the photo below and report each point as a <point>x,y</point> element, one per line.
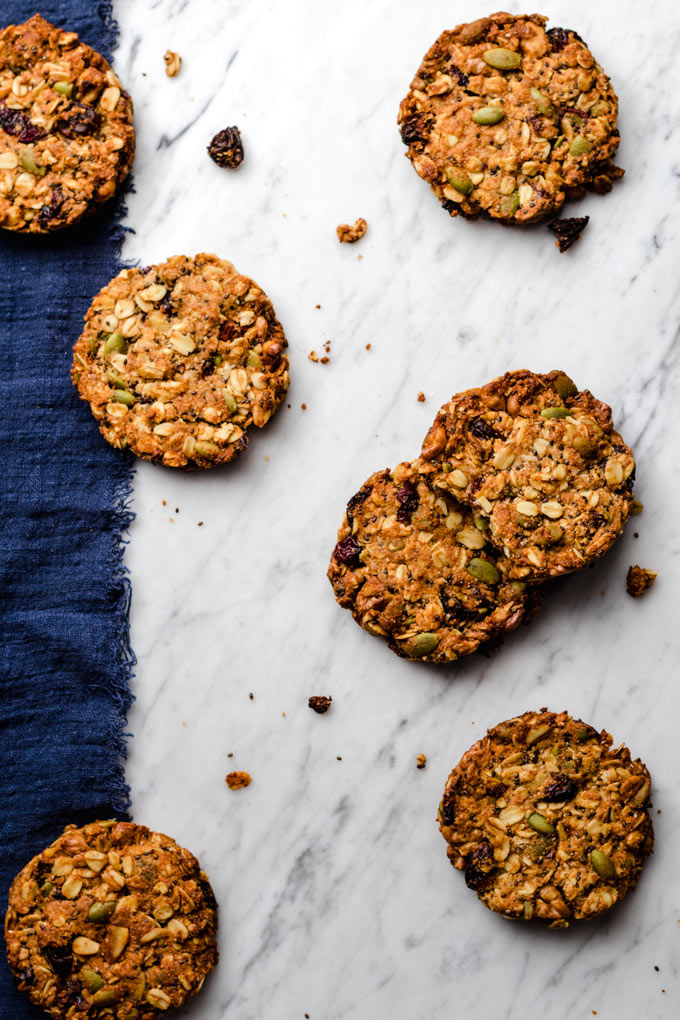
<point>518,482</point>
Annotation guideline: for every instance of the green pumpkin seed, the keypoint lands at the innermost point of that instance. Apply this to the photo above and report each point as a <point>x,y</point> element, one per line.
<point>581,735</point>
<point>510,204</point>
<point>229,400</point>
<point>47,888</point>
<point>254,359</point>
<point>484,571</point>
<point>488,115</point>
<point>94,344</point>
<point>539,848</point>
<point>125,397</point>
<point>602,865</point>
<point>579,146</point>
<point>116,379</point>
<point>555,412</point>
<point>528,910</point>
<point>421,644</point>
<point>217,359</point>
<point>518,586</point>
<point>106,997</point>
<point>116,342</point>
<point>64,87</point>
<point>459,180</point>
<point>565,386</point>
<point>100,912</point>
<point>481,523</point>
<point>540,824</point>
<point>91,979</point>
<point>30,166</point>
<point>542,104</point>
<point>503,60</point>
<point>140,988</point>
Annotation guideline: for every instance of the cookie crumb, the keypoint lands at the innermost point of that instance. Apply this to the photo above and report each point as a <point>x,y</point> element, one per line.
<point>312,356</point>
<point>226,148</point>
<point>251,696</point>
<point>200,524</point>
<point>368,347</point>
<point>317,306</point>
<point>320,703</point>
<point>655,967</point>
<point>173,62</point>
<point>349,235</point>
<point>338,757</point>
<point>421,397</point>
<point>303,406</point>
<point>568,231</point>
<point>164,502</point>
<point>238,780</point>
<point>638,580</point>
<point>421,761</point>
<point>230,754</point>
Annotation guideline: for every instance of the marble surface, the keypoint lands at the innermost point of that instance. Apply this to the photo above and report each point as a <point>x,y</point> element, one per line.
<point>336,896</point>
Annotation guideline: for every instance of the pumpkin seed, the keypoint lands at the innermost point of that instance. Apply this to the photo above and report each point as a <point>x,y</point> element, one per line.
<point>91,979</point>
<point>116,379</point>
<point>602,865</point>
<point>421,644</point>
<point>510,204</point>
<point>100,912</point>
<point>125,397</point>
<point>459,180</point>
<point>540,824</point>
<point>579,146</point>
<point>254,359</point>
<point>565,386</point>
<point>30,166</point>
<point>229,400</point>
<point>555,412</point>
<point>116,342</point>
<point>488,115</point>
<point>64,87</point>
<point>106,997</point>
<point>542,104</point>
<point>484,571</point>
<point>502,59</point>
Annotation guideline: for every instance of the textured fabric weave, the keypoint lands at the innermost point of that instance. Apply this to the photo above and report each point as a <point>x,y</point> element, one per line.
<point>65,660</point>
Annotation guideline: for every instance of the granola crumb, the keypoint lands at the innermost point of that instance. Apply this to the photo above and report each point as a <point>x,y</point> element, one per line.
<point>368,347</point>
<point>200,524</point>
<point>349,235</point>
<point>639,580</point>
<point>230,754</point>
<point>421,761</point>
<point>173,62</point>
<point>238,780</point>
<point>324,360</point>
<point>320,703</point>
<point>251,696</point>
<point>317,306</point>
<point>338,757</point>
<point>303,406</point>
<point>421,397</point>
<point>312,356</point>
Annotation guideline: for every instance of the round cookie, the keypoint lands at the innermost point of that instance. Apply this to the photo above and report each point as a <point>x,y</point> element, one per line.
<point>547,820</point>
<point>66,135</point>
<point>542,462</point>
<point>506,120</point>
<point>177,360</point>
<point>414,566</point>
<point>111,919</point>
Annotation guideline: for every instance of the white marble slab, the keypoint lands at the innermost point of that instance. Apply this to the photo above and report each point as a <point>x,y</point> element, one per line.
<point>336,896</point>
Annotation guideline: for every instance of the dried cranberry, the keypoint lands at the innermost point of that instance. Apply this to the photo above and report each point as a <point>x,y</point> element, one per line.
<point>78,121</point>
<point>357,500</point>
<point>319,703</point>
<point>166,304</point>
<point>52,209</point>
<point>226,148</point>
<point>415,129</point>
<point>347,551</point>
<point>208,366</point>
<point>408,499</point>
<point>558,38</point>
<point>479,864</point>
<point>456,72</point>
<point>537,122</point>
<point>208,895</point>
<point>59,958</point>
<point>482,430</point>
<point>225,331</point>
<point>561,788</point>
<point>568,231</point>
<point>447,810</point>
<point>575,111</point>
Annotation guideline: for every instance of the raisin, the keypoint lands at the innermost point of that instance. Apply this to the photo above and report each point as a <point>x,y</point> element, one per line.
<point>561,788</point>
<point>166,304</point>
<point>78,121</point>
<point>456,72</point>
<point>537,122</point>
<point>320,704</point>
<point>18,124</point>
<point>568,231</point>
<point>209,900</point>
<point>59,958</point>
<point>357,500</point>
<point>482,430</point>
<point>348,551</point>
<point>415,129</point>
<point>560,37</point>
<point>447,810</point>
<point>208,366</point>
<point>479,864</point>
<point>225,331</point>
<point>575,112</point>
<point>52,209</point>
<point>226,148</point>
<point>408,499</point>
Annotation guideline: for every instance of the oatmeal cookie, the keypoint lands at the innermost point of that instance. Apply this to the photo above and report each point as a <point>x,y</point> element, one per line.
<point>177,360</point>
<point>547,820</point>
<point>414,566</point>
<point>111,919</point>
<point>66,134</point>
<point>508,120</point>
<point>542,462</point>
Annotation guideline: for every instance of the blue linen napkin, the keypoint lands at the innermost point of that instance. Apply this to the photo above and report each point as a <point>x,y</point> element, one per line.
<point>65,661</point>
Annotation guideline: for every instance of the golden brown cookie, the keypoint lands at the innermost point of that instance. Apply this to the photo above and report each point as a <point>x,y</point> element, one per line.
<point>508,120</point>
<point>542,462</point>
<point>547,820</point>
<point>178,360</point>
<point>414,566</point>
<point>111,920</point>
<point>66,135</point>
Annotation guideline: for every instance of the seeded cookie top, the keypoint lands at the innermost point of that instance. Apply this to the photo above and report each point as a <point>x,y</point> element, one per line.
<point>66,135</point>
<point>177,360</point>
<point>414,566</point>
<point>542,462</point>
<point>547,819</point>
<point>111,917</point>
<point>508,120</point>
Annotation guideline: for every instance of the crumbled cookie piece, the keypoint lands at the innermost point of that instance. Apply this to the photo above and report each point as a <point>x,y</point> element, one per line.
<point>636,508</point>
<point>421,761</point>
<point>542,463</point>
<point>568,231</point>
<point>237,780</point>
<point>178,360</point>
<point>226,148</point>
<point>348,234</point>
<point>547,820</point>
<point>66,135</point>
<point>320,703</point>
<point>421,397</point>
<point>111,920</point>
<point>507,120</point>
<point>173,62</point>
<point>638,580</point>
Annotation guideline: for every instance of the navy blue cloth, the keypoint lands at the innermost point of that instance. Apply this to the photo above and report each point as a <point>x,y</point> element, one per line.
<point>65,661</point>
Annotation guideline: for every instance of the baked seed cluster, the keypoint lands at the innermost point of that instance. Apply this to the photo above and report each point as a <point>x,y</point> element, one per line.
<point>518,482</point>
<point>507,120</point>
<point>547,819</point>
<point>111,920</point>
<point>178,360</point>
<point>66,135</point>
